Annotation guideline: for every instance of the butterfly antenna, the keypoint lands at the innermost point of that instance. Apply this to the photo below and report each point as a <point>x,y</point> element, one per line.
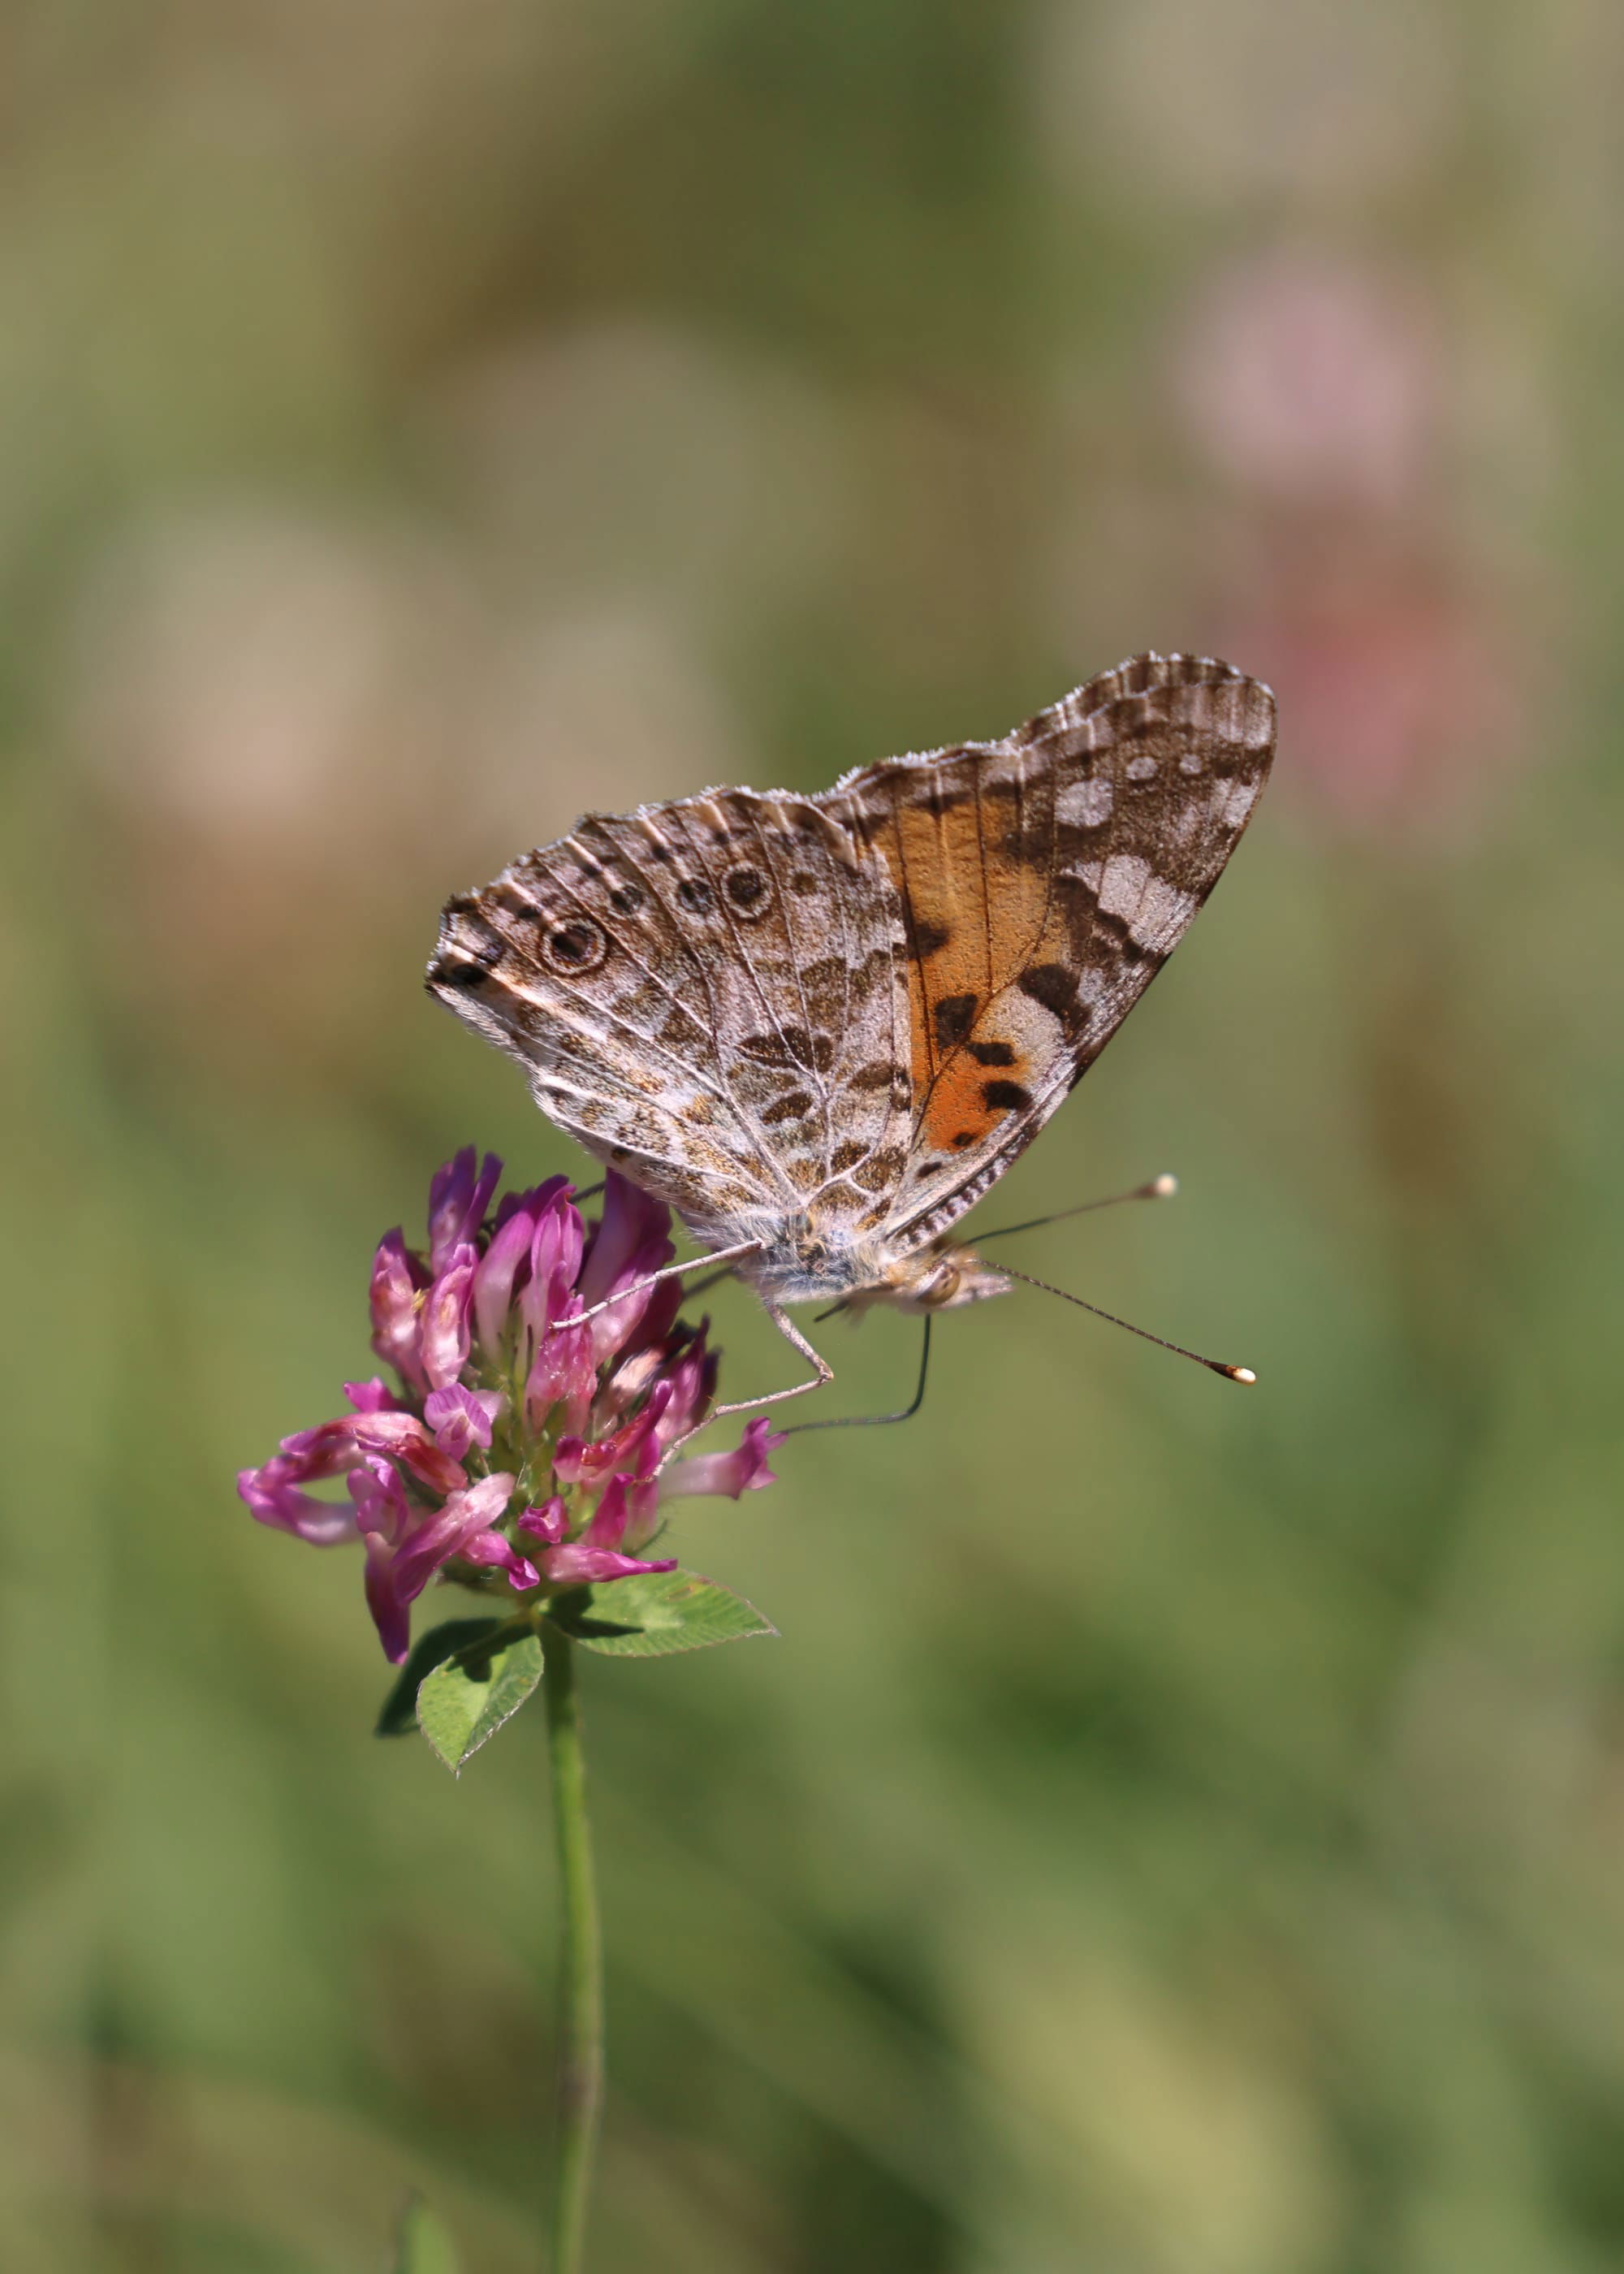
<point>1213,1365</point>
<point>1158,1188</point>
<point>877,1420</point>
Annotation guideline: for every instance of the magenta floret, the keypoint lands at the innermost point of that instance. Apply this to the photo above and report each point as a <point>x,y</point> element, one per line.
<point>528,1448</point>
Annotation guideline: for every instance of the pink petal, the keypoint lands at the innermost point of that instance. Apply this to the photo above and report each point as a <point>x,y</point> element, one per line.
<point>642,1513</point>
<point>384,1601</point>
<point>458,1200</point>
<point>743,1470</point>
<point>461,1418</point>
<point>324,1451</point>
<point>548,1525</point>
<point>563,1373</point>
<point>403,1437</point>
<point>464,1515</point>
<point>398,1280</point>
<point>631,1241</point>
<point>381,1503</point>
<point>692,1386</point>
<point>493,1278</point>
<point>273,1497</point>
<point>554,1263</point>
<point>373,1396</point>
<point>576,1565</point>
<point>607,1528</point>
<point>445,1324</point>
<point>576,1461</point>
<point>490,1548</point>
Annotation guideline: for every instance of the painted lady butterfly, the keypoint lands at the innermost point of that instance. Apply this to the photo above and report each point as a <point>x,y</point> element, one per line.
<point>821,1028</point>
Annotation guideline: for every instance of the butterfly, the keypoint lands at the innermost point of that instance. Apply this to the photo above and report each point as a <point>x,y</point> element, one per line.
<point>820,1028</point>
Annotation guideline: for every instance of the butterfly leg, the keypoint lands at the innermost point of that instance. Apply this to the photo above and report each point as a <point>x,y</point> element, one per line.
<point>822,1372</point>
<point>671,1271</point>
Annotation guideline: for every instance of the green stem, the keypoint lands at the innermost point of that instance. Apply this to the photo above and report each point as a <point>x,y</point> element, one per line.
<point>581,2050</point>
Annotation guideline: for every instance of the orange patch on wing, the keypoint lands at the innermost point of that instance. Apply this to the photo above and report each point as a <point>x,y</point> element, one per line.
<point>974,914</point>
<point>955,975</point>
<point>968,1100</point>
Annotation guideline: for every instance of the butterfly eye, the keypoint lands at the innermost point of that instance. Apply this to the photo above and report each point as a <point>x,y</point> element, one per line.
<point>749,893</point>
<point>576,947</point>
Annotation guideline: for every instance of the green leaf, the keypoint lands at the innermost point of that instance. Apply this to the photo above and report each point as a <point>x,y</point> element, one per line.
<point>399,1716</point>
<point>655,1612</point>
<point>421,2245</point>
<point>467,1698</point>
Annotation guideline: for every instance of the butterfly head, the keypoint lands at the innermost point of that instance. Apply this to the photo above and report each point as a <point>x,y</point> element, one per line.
<point>943,1277</point>
<point>810,1262</point>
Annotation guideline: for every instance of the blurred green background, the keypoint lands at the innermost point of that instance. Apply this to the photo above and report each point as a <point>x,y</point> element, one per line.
<point>1180,1831</point>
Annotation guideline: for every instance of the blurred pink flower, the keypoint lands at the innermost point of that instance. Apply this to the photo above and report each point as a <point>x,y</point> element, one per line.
<point>524,1445</point>
<point>1309,378</point>
<point>1313,385</point>
<point>1400,697</point>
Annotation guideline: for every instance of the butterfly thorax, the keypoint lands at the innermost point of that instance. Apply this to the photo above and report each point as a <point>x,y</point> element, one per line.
<point>806,1266</point>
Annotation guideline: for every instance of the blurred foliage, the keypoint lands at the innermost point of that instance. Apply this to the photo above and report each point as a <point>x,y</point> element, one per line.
<point>1180,1831</point>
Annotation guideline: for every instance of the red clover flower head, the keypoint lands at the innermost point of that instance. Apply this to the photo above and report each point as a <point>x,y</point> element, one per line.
<point>527,1447</point>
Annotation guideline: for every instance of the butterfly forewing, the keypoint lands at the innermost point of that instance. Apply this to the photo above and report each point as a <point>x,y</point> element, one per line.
<point>709,996</point>
<point>1045,880</point>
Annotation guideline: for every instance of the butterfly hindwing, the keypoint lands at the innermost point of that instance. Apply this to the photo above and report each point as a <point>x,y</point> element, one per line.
<point>1045,880</point>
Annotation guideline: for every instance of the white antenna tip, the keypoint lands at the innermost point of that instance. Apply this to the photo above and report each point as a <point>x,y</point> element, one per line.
<point>1161,1187</point>
<point>1240,1373</point>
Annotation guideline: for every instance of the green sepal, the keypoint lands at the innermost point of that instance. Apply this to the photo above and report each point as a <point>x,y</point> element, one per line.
<point>467,1697</point>
<point>654,1613</point>
<point>422,2244</point>
<point>399,1715</point>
